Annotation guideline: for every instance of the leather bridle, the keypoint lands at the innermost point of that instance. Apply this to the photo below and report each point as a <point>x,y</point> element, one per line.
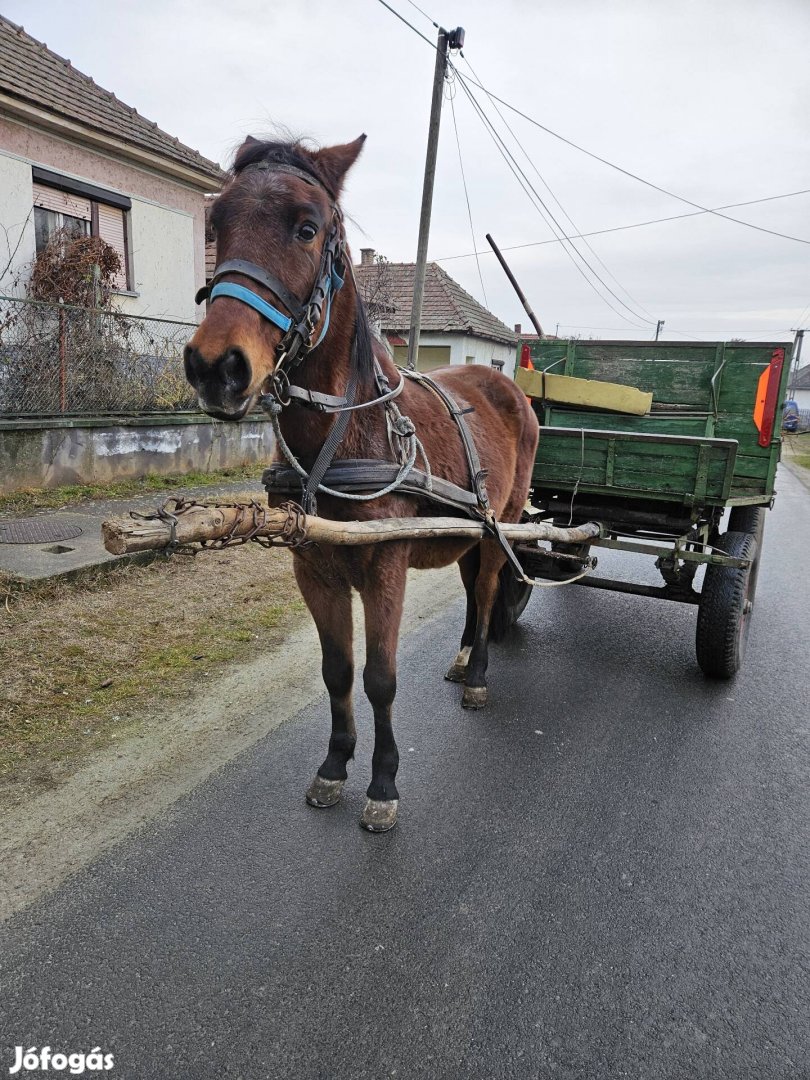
<point>301,318</point>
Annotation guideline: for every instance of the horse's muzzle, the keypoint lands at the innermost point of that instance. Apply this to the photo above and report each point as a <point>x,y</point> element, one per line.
<point>222,384</point>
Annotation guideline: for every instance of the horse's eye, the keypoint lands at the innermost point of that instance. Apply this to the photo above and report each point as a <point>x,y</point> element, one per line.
<point>308,231</point>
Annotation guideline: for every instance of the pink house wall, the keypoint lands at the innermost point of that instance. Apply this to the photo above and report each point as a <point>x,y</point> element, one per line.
<point>60,155</point>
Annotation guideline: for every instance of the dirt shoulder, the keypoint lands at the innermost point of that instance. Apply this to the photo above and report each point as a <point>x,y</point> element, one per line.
<point>206,656</point>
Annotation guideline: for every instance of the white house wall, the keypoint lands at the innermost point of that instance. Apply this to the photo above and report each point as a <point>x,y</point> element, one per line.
<point>17,219</point>
<point>162,246</point>
<point>482,351</point>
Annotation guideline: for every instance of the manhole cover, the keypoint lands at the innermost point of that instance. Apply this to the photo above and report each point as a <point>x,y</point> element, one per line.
<point>36,531</point>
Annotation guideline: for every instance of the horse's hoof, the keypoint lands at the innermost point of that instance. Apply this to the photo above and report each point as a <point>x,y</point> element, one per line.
<point>474,697</point>
<point>379,815</point>
<point>323,793</point>
<point>458,669</point>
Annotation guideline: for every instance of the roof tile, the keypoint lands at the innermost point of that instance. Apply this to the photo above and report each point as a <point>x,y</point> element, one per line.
<point>31,72</point>
<point>446,306</point>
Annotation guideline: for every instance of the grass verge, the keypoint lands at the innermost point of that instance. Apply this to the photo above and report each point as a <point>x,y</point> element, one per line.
<point>86,662</point>
<point>28,499</point>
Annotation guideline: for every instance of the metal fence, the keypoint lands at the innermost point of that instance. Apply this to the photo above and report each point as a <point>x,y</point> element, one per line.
<point>57,360</point>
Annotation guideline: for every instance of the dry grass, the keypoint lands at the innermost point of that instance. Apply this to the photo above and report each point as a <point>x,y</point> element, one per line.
<point>83,662</point>
<point>28,499</point>
<point>797,449</point>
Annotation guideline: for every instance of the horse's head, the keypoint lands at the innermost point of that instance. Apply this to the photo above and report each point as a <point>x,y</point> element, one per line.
<point>280,247</point>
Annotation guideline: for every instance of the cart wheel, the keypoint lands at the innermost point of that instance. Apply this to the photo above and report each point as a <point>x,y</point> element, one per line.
<point>747,519</point>
<point>725,609</point>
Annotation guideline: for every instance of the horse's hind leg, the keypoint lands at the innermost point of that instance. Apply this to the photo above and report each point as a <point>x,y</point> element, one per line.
<point>486,589</point>
<point>331,607</point>
<point>382,596</point>
<point>469,565</point>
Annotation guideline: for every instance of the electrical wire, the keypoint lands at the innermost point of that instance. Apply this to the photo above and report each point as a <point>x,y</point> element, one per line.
<point>452,95</point>
<point>545,212</point>
<point>421,12</point>
<point>635,225</point>
<point>632,175</point>
<point>590,153</point>
<point>564,212</point>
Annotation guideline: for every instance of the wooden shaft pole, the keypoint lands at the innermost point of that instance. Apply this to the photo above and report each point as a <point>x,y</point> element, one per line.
<point>124,536</point>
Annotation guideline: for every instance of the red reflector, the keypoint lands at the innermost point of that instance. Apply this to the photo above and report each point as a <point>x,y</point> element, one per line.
<point>767,395</point>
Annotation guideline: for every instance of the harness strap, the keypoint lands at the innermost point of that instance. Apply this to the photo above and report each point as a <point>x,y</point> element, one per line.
<point>262,277</point>
<point>334,439</point>
<point>361,474</point>
<point>478,475</point>
<point>313,399</point>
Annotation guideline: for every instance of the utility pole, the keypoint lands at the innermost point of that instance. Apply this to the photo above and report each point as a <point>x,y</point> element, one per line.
<point>658,328</point>
<point>448,39</point>
<point>797,352</point>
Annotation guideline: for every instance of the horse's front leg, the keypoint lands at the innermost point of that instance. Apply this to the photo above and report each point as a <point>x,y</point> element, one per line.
<point>382,596</point>
<point>330,603</point>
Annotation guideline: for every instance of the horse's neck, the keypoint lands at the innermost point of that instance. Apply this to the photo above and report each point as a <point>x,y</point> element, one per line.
<point>327,370</point>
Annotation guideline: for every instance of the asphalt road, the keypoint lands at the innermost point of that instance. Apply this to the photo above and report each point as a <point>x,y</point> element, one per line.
<point>603,875</point>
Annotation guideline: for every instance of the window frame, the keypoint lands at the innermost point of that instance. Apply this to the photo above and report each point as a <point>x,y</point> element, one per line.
<point>95,195</point>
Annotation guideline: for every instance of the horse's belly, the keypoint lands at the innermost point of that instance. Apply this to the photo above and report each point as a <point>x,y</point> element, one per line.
<point>430,554</point>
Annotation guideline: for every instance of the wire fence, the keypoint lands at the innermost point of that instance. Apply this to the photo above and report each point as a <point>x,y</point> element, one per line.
<point>57,360</point>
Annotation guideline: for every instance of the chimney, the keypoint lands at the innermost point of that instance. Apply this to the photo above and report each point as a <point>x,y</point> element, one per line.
<point>366,256</point>
<point>517,328</point>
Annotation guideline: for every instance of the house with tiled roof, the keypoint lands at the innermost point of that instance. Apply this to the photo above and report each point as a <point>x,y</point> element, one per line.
<point>73,156</point>
<point>799,387</point>
<point>455,328</point>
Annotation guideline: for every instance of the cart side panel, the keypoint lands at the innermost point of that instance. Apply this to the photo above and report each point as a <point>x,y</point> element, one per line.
<point>699,389</point>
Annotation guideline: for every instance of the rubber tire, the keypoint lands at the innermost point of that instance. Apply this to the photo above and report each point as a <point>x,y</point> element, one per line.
<point>723,624</point>
<point>748,519</point>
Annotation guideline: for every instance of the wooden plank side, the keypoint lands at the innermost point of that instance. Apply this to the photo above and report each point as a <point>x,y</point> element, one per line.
<point>655,424</point>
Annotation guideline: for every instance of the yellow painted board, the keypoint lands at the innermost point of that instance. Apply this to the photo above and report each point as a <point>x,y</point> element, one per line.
<point>584,393</point>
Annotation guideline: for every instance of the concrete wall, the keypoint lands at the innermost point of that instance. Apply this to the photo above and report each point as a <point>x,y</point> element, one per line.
<point>167,218</point>
<point>95,451</point>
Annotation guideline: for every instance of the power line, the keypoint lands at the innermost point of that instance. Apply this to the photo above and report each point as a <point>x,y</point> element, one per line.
<point>590,153</point>
<point>565,213</point>
<point>545,212</point>
<point>632,175</point>
<point>635,225</point>
<point>421,12</point>
<point>466,194</point>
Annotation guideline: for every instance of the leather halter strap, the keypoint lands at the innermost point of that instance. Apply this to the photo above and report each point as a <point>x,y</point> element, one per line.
<point>258,274</point>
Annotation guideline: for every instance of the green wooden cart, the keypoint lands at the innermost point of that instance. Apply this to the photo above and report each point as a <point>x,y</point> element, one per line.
<point>659,484</point>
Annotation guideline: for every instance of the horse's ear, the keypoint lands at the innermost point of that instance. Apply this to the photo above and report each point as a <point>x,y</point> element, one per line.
<point>335,161</point>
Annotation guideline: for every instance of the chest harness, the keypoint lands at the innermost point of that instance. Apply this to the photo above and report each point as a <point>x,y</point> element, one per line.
<point>350,479</point>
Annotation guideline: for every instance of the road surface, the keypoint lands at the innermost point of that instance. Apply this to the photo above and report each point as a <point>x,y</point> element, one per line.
<point>602,875</point>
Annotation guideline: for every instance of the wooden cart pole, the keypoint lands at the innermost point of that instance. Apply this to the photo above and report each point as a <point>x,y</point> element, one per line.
<point>200,524</point>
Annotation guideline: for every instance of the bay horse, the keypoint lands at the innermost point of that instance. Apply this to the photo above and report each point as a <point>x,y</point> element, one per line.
<point>279,214</point>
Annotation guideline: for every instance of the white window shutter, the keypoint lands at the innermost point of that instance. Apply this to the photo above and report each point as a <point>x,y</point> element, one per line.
<point>111,229</point>
<point>62,202</point>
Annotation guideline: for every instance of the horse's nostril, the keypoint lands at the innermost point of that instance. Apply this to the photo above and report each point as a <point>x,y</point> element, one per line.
<point>235,371</point>
<point>192,362</point>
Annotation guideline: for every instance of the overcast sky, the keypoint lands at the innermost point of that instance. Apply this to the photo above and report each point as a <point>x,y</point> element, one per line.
<point>707,98</point>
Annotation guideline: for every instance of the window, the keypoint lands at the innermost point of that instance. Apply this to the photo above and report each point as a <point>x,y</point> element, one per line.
<point>82,210</point>
<point>469,359</point>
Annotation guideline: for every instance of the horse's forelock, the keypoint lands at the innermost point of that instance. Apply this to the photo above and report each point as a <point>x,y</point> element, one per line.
<point>279,152</point>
